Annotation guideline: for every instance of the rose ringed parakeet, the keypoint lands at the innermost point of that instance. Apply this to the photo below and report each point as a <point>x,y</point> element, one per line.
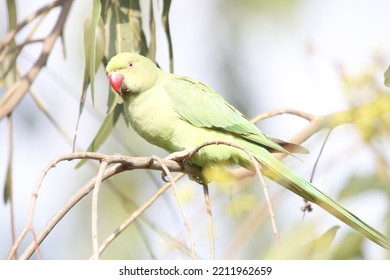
<point>178,113</point>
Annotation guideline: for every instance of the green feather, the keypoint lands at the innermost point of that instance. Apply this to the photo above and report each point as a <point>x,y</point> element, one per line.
<point>203,107</point>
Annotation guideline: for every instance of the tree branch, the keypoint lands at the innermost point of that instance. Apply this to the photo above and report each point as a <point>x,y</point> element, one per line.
<point>124,163</point>
<point>17,91</point>
<point>11,35</point>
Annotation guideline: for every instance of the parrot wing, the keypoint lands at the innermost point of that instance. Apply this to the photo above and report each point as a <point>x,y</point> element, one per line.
<point>201,106</point>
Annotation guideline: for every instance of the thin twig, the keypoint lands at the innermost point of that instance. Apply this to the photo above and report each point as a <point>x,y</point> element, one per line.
<point>134,216</point>
<point>11,34</point>
<point>51,119</point>
<point>307,207</point>
<point>95,195</point>
<point>36,243</point>
<point>17,48</point>
<point>209,219</point>
<point>269,203</point>
<point>126,201</point>
<point>184,216</point>
<point>69,204</point>
<point>317,124</point>
<point>245,232</point>
<point>172,240</point>
<point>281,111</point>
<point>17,91</point>
<point>257,170</point>
<point>319,155</point>
<point>11,61</point>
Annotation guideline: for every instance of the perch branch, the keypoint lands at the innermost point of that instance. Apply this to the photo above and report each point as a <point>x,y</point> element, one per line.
<point>125,163</point>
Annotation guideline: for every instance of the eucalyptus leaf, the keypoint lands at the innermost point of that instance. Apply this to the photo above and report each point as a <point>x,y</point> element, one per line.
<point>9,74</point>
<point>105,129</point>
<point>8,182</point>
<point>361,184</point>
<point>387,77</point>
<point>350,247</point>
<point>12,14</point>
<point>152,43</point>
<point>165,23</point>
<point>320,248</point>
<point>296,245</point>
<point>123,27</point>
<point>8,65</point>
<point>94,43</point>
<point>129,36</point>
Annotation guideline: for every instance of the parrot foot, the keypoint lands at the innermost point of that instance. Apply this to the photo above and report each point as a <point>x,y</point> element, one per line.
<point>183,156</point>
<point>164,177</point>
<point>178,157</point>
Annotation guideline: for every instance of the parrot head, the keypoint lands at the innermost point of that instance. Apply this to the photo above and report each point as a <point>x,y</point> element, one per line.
<point>130,73</point>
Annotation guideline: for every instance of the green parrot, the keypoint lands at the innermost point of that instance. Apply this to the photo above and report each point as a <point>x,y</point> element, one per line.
<point>178,114</point>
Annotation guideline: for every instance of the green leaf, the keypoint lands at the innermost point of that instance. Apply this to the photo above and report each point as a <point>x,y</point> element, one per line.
<point>350,247</point>
<point>152,43</point>
<point>7,189</point>
<point>8,72</point>
<point>105,9</point>
<point>165,24</point>
<point>94,44</point>
<point>105,130</point>
<point>360,184</point>
<point>8,185</point>
<point>8,76</point>
<point>320,248</point>
<point>94,47</point>
<point>8,180</point>
<point>294,244</point>
<point>129,36</point>
<point>122,20</point>
<point>387,77</point>
<point>12,14</point>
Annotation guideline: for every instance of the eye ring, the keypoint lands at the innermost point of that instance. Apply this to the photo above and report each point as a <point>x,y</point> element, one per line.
<point>130,64</point>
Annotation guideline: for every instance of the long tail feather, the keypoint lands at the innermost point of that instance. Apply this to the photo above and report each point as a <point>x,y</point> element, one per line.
<point>289,179</point>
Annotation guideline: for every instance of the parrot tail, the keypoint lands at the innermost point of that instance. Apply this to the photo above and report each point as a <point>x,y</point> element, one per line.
<point>290,180</point>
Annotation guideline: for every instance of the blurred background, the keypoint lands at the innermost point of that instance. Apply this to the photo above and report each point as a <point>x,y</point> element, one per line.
<point>315,56</point>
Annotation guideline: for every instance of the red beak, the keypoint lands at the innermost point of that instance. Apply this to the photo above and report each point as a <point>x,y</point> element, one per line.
<point>116,81</point>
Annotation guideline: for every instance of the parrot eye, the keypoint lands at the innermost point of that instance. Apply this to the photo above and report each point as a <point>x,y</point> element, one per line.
<point>130,64</point>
